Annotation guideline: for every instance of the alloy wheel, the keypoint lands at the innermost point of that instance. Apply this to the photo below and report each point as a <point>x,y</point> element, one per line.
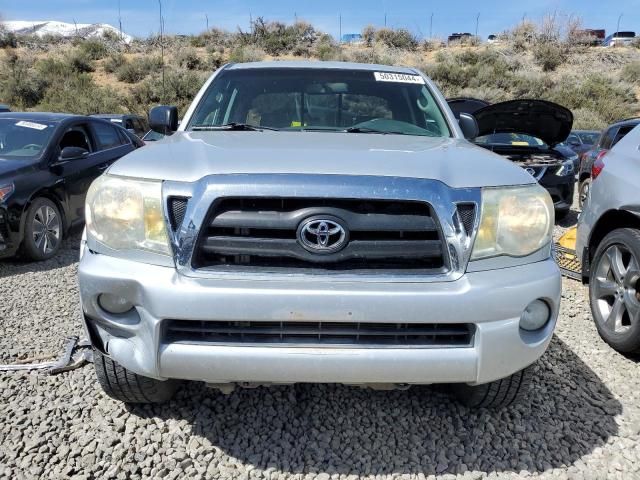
<point>616,289</point>
<point>46,229</point>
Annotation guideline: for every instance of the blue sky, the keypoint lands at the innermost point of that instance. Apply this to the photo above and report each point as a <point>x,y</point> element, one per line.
<point>140,17</point>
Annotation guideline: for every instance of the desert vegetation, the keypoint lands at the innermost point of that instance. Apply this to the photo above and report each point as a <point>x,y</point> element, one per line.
<point>546,60</point>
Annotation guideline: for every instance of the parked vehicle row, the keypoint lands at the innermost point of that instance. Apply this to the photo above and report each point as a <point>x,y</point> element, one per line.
<point>607,140</point>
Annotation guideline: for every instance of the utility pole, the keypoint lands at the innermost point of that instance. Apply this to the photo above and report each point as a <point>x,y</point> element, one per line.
<point>295,17</point>
<point>618,26</point>
<point>120,21</point>
<point>207,18</point>
<point>385,19</point>
<point>162,48</point>
<point>477,21</point>
<point>431,27</point>
<point>340,28</point>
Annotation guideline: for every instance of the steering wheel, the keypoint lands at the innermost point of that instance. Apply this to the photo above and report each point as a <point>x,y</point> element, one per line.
<point>32,146</point>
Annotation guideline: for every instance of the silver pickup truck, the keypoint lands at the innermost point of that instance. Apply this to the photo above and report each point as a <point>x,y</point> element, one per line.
<point>317,222</point>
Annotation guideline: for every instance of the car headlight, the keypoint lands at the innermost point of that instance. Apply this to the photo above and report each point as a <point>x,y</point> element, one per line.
<point>515,221</point>
<point>6,191</point>
<point>567,167</point>
<point>126,214</point>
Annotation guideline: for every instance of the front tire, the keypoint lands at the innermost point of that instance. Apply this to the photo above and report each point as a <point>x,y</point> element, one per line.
<point>614,290</point>
<point>497,394</point>
<point>124,385</point>
<point>43,230</point>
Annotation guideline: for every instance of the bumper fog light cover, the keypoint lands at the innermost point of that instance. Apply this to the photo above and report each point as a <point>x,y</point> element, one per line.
<point>114,304</point>
<point>535,316</point>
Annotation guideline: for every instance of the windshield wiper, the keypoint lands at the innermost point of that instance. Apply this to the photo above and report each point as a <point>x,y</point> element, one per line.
<point>371,130</point>
<point>233,126</point>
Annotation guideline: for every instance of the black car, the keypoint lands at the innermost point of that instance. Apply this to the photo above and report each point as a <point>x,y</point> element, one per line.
<point>608,138</point>
<point>132,123</point>
<point>4,108</point>
<point>47,162</point>
<point>528,132</point>
<point>581,140</point>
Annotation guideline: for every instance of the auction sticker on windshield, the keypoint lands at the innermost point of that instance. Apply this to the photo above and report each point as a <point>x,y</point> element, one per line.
<point>398,77</point>
<point>36,126</point>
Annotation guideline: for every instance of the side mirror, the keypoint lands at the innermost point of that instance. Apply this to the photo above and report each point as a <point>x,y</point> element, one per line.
<point>73,153</point>
<point>468,125</point>
<point>163,119</point>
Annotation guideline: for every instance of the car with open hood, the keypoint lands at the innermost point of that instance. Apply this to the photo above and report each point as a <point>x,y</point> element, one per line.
<point>529,133</point>
<point>317,222</point>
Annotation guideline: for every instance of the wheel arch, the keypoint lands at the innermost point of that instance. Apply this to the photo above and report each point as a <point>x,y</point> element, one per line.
<point>49,194</point>
<point>609,221</point>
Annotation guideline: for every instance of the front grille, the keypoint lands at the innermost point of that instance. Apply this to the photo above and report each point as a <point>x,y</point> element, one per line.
<point>320,333</point>
<point>262,233</point>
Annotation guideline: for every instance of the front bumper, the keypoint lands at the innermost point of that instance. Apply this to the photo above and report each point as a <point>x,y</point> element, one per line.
<point>8,241</point>
<point>560,188</point>
<point>493,300</point>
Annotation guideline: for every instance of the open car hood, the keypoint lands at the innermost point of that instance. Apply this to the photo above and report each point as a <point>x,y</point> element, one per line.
<point>469,105</point>
<point>547,121</point>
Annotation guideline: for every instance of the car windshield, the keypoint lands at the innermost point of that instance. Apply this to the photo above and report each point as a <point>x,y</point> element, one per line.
<point>589,137</point>
<point>23,138</point>
<point>294,99</point>
<point>511,139</point>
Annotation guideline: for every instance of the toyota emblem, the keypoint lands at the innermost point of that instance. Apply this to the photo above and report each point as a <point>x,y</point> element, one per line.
<point>322,235</point>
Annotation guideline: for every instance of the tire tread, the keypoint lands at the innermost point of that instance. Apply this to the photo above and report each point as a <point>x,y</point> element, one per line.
<point>124,385</point>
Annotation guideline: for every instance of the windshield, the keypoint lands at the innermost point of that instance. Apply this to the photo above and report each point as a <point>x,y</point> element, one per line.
<point>589,137</point>
<point>23,138</point>
<point>511,139</point>
<point>293,99</point>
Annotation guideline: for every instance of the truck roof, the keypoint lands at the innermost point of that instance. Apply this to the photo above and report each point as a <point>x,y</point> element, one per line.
<point>322,66</point>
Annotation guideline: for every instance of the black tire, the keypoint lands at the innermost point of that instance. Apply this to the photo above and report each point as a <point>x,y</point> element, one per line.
<point>126,386</point>
<point>42,236</point>
<point>498,394</point>
<point>611,287</point>
<point>583,191</point>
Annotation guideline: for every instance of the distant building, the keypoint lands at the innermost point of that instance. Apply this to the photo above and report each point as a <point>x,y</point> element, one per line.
<point>351,38</point>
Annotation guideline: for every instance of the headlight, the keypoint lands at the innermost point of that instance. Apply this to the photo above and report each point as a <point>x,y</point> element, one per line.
<point>126,214</point>
<point>5,191</point>
<point>567,167</point>
<point>515,221</point>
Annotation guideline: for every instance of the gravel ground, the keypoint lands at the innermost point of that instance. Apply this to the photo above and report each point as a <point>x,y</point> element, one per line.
<point>580,420</point>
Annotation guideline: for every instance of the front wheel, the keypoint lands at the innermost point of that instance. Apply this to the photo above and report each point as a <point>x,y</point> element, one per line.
<point>614,290</point>
<point>129,387</point>
<point>498,394</point>
<point>43,230</point>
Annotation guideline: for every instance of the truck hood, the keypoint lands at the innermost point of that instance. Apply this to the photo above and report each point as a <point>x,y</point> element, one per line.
<point>547,121</point>
<point>189,156</point>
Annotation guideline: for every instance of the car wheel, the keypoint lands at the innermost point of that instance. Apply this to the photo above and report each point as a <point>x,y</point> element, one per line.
<point>498,394</point>
<point>43,230</point>
<point>614,290</point>
<point>583,191</point>
<point>124,385</point>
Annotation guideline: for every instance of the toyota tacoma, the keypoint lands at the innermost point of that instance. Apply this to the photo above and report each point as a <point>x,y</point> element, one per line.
<point>317,222</point>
